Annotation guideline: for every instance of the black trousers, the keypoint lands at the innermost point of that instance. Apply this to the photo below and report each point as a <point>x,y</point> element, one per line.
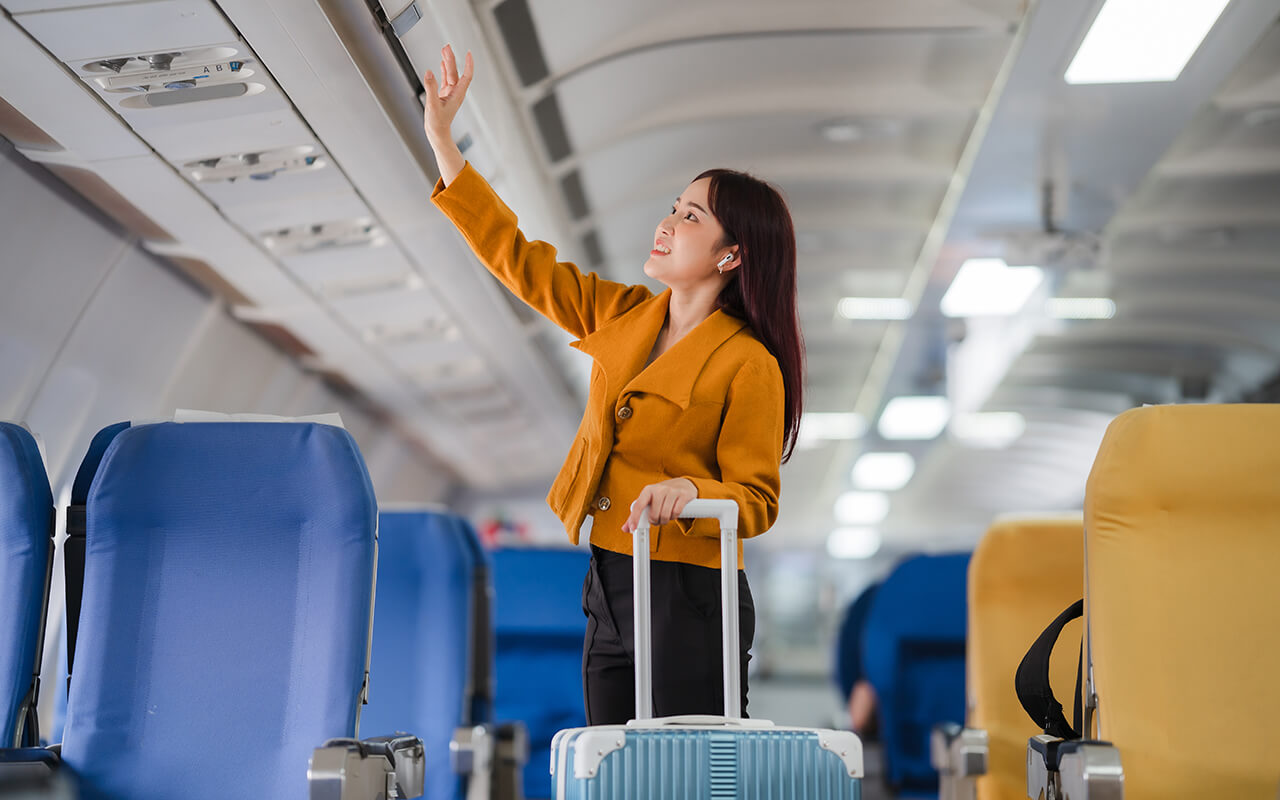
<point>688,663</point>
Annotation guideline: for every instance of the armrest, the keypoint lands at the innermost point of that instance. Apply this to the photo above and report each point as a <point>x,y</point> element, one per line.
<point>1079,769</point>
<point>35,772</point>
<point>11,758</point>
<point>940,739</point>
<point>1090,770</point>
<point>1042,766</point>
<point>355,769</point>
<point>471,752</point>
<point>960,755</point>
<point>512,752</point>
<point>513,742</point>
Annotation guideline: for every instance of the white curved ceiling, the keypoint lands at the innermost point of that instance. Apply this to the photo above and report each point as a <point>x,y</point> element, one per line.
<point>949,134</point>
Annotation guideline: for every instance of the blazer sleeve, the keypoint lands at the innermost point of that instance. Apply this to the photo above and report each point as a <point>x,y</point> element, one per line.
<point>557,289</point>
<point>748,452</point>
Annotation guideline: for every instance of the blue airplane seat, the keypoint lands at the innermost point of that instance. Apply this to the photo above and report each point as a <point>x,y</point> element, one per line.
<point>913,654</point>
<point>431,669</point>
<point>26,558</point>
<point>539,627</point>
<point>73,553</point>
<point>224,626</point>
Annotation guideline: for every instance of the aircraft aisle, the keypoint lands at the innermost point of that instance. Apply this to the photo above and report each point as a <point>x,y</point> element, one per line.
<point>1013,235</point>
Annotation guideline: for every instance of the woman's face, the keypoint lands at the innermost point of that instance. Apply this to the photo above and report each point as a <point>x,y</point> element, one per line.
<point>687,244</point>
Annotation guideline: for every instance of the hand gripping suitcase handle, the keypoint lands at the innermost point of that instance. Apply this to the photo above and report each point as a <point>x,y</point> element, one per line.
<point>727,512</point>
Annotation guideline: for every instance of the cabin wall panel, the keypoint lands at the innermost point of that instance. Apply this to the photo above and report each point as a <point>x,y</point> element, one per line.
<point>226,370</point>
<point>94,330</point>
<point>124,347</point>
<point>53,256</point>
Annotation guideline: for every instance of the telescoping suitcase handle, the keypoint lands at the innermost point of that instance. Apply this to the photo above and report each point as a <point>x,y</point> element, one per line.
<point>727,512</point>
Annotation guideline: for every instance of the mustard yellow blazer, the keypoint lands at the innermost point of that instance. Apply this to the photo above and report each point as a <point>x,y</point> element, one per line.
<point>710,409</point>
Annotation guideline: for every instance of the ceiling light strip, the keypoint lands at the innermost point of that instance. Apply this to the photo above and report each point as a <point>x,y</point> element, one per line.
<point>873,388</point>
<point>1143,41</point>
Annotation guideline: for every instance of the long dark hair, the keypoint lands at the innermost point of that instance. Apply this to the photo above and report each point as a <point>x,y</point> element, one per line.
<point>762,290</point>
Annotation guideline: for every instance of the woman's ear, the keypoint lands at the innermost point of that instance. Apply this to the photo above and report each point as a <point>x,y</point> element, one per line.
<point>730,261</point>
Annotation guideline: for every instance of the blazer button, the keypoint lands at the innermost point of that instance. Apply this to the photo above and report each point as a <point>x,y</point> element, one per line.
<point>624,412</point>
<point>603,504</point>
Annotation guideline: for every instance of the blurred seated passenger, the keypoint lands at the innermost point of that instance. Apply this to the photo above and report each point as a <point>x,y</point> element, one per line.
<point>858,694</point>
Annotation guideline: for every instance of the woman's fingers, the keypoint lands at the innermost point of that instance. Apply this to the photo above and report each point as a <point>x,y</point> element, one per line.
<point>451,65</point>
<point>678,505</point>
<point>468,69</point>
<point>634,519</point>
<point>669,500</point>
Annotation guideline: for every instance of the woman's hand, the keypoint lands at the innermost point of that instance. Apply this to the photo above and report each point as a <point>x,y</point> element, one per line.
<point>445,98</point>
<point>665,501</point>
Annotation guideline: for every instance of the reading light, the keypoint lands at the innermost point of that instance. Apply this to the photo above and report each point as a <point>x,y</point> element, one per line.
<point>861,508</point>
<point>892,308</point>
<point>992,430</point>
<point>853,543</point>
<point>1081,308</point>
<point>914,417</point>
<point>987,287</point>
<point>883,472</point>
<point>817,427</point>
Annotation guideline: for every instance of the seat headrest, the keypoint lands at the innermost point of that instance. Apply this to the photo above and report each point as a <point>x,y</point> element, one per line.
<point>1166,457</point>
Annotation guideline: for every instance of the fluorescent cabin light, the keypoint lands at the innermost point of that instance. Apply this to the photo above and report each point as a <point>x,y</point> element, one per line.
<point>817,427</point>
<point>993,430</point>
<point>853,543</point>
<point>861,508</point>
<point>1081,308</point>
<point>987,287</point>
<point>874,308</point>
<point>883,472</point>
<point>914,417</point>
<point>1140,41</point>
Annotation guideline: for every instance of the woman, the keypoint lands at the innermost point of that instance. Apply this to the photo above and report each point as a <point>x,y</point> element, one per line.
<point>695,392</point>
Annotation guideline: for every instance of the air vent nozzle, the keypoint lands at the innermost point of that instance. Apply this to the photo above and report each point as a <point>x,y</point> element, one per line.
<point>257,166</point>
<point>434,329</point>
<point>169,71</point>
<point>301,239</point>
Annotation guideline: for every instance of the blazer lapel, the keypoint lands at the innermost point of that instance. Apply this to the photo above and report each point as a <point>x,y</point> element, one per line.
<point>621,345</point>
<point>673,373</point>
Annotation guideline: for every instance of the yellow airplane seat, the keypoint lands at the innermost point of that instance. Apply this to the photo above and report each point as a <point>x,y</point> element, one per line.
<point>1182,600</point>
<point>1024,571</point>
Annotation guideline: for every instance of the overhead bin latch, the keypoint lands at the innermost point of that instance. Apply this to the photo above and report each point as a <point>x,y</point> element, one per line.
<point>405,20</point>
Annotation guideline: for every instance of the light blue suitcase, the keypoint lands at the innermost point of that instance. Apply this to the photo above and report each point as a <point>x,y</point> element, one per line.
<point>701,757</point>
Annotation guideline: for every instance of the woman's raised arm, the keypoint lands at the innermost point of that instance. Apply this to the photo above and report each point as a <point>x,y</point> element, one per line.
<point>442,103</point>
<point>558,290</point>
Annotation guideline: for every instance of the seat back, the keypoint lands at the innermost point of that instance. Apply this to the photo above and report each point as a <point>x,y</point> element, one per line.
<point>539,627</point>
<point>913,655</point>
<point>224,628</point>
<point>1182,543</point>
<point>431,670</point>
<point>1024,572</point>
<point>26,558</point>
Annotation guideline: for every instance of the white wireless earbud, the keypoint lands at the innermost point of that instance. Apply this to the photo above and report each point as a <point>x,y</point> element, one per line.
<point>725,260</point>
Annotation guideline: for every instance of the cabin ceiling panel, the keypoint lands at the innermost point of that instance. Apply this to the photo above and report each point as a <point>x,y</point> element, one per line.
<point>335,271</point>
<point>573,34</point>
<point>127,29</point>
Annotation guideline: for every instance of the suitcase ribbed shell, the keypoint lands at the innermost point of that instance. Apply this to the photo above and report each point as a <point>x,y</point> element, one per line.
<point>702,764</point>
